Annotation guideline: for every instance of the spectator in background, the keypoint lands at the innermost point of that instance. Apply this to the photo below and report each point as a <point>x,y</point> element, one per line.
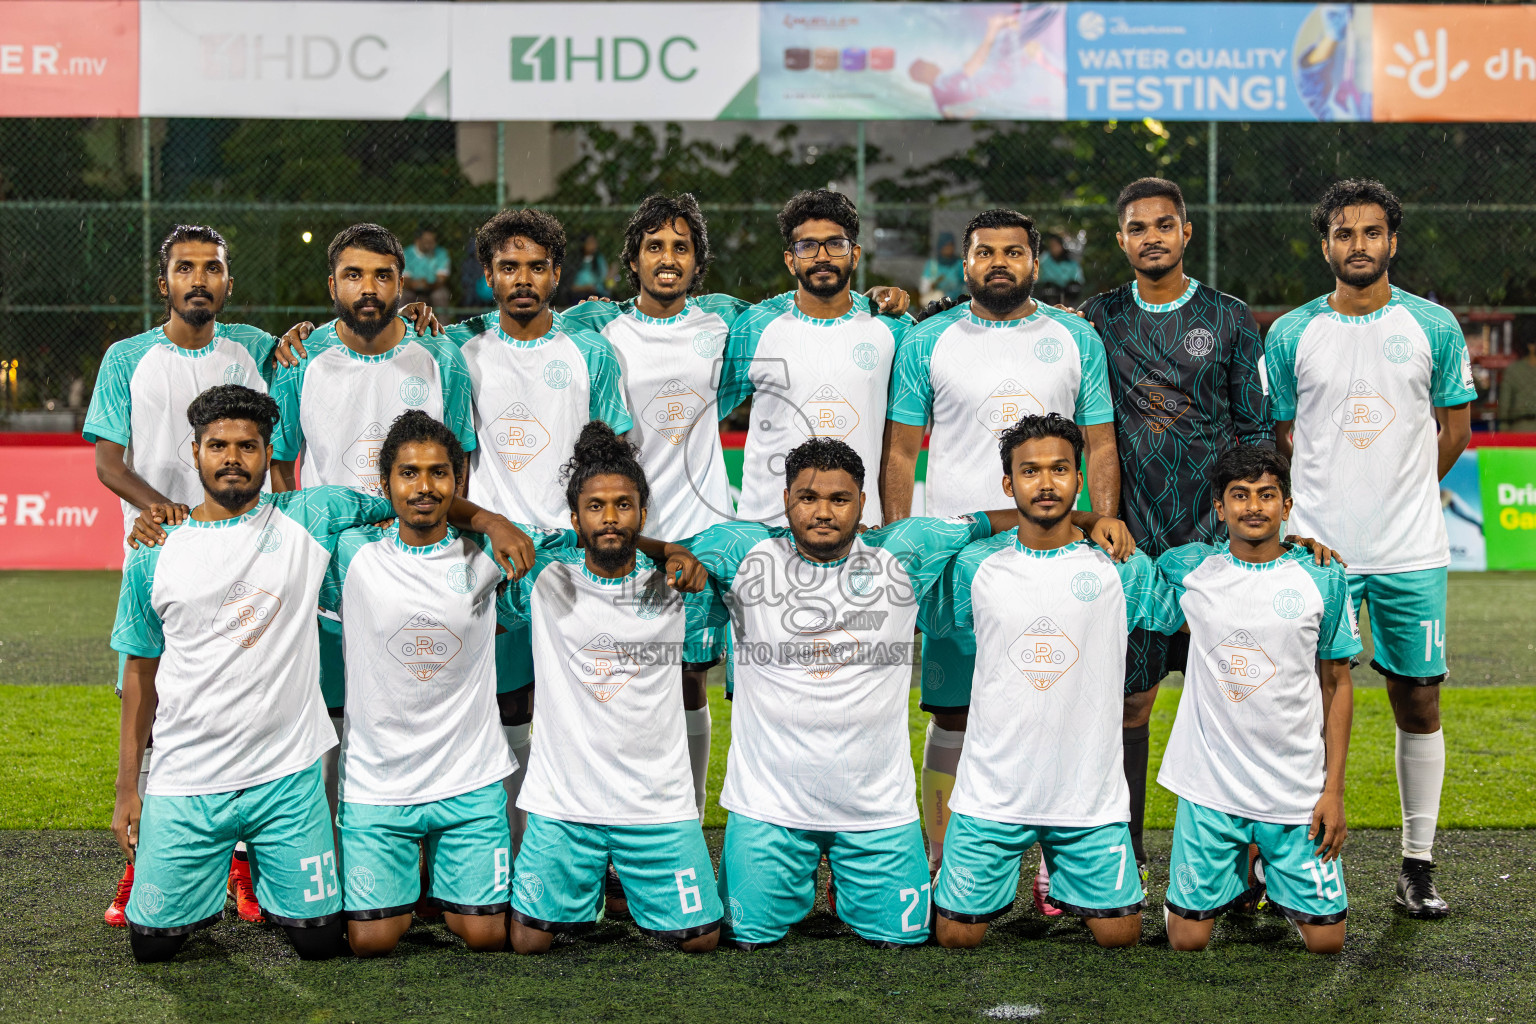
<point>943,274</point>
<point>426,272</point>
<point>1061,276</point>
<point>588,274</point>
<point>1517,388</point>
<point>477,292</point>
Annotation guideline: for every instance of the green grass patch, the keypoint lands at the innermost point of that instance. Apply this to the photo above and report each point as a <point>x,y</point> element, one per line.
<point>62,746</point>
<point>56,626</point>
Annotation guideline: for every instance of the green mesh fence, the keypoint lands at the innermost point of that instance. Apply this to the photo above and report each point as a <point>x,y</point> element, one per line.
<point>84,202</point>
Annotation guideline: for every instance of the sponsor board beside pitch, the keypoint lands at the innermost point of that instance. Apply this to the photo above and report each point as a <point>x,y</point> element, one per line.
<point>256,58</point>
<point>616,60</point>
<point>1455,62</point>
<point>54,513</point>
<point>69,59</point>
<point>1508,477</point>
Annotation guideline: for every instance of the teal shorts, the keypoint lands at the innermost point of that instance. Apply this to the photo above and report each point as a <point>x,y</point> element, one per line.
<point>185,843</point>
<point>947,671</point>
<point>333,664</point>
<point>665,870</point>
<point>705,645</point>
<point>1093,870</point>
<point>1407,613</point>
<point>768,881</point>
<point>468,847</point>
<point>514,659</point>
<point>1208,869</point>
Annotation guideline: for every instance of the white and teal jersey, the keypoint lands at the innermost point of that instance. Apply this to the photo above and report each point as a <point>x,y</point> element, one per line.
<point>608,654</point>
<point>338,404</point>
<point>229,609</point>
<point>671,369</point>
<point>1043,746</point>
<point>531,399</point>
<point>974,378</point>
<point>142,392</point>
<point>810,378</point>
<point>419,629</point>
<point>1362,391</point>
<point>1248,739</point>
<point>822,658</point>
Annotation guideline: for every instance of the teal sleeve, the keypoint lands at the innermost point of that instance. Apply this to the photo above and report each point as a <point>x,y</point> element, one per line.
<point>1338,634</point>
<point>591,315</point>
<point>1280,362</point>
<point>911,395</point>
<point>110,416</point>
<point>740,349</point>
<point>138,630</point>
<point>1093,404</point>
<point>348,544</point>
<point>458,392</point>
<point>1451,367</point>
<point>1150,602</point>
<point>924,545</point>
<point>607,395</point>
<point>461,333</point>
<point>945,610</point>
<point>516,596</point>
<point>723,547</point>
<point>1177,563</point>
<point>287,390</point>
<point>726,307</point>
<point>326,511</point>
<point>260,345</point>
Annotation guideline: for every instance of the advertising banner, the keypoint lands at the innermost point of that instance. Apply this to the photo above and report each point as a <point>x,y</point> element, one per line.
<point>1509,506</point>
<point>209,58</point>
<point>1236,62</point>
<point>69,59</point>
<point>1455,62</point>
<point>879,60</point>
<point>542,62</point>
<point>54,513</point>
<point>1461,502</point>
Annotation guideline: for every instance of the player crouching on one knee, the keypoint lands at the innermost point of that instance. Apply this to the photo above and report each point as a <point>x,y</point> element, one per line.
<point>1048,614</point>
<point>1258,747</point>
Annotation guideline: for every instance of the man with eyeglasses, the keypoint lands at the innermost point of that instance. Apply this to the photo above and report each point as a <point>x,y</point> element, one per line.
<point>819,366</point>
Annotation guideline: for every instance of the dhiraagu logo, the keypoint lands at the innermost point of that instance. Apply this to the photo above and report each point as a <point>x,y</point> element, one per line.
<point>551,58</point>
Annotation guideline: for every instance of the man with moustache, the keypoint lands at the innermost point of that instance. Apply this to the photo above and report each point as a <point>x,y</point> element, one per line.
<point>536,383</point>
<point>1186,383</point>
<point>362,370</point>
<point>972,371</point>
<point>1369,387</point>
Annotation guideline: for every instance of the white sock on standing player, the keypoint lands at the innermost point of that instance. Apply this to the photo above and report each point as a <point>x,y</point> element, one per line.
<point>1420,774</point>
<point>520,739</point>
<point>698,726</point>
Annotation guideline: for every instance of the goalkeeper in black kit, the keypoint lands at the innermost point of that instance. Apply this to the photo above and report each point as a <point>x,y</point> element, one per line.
<point>1186,382</point>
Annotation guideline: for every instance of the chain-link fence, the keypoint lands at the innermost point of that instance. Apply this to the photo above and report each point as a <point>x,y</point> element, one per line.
<point>83,204</point>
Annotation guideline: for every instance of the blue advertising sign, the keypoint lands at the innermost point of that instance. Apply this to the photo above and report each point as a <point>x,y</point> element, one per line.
<point>1226,62</point>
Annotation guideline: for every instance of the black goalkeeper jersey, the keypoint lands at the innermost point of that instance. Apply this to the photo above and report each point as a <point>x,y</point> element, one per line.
<point>1185,381</point>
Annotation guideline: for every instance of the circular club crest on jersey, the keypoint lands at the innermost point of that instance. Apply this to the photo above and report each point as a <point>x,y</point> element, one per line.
<point>1397,348</point>
<point>709,344</point>
<point>530,886</point>
<point>149,897</point>
<point>732,910</point>
<point>1048,350</point>
<point>557,374</point>
<point>234,373</point>
<point>933,675</point>
<point>1199,342</point>
<point>962,881</point>
<point>461,578</point>
<point>269,540</point>
<point>648,603</point>
<point>361,881</point>
<point>865,355</point>
<point>1086,586</point>
<point>1288,604</point>
<point>1186,879</point>
<point>413,391</point>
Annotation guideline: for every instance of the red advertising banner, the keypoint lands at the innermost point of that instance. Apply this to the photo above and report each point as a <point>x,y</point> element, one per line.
<point>54,513</point>
<point>69,58</point>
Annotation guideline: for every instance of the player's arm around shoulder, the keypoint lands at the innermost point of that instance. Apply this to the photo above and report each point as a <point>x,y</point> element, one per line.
<point>326,511</point>
<point>606,399</point>
<point>348,543</point>
<point>1151,602</point>
<point>922,545</point>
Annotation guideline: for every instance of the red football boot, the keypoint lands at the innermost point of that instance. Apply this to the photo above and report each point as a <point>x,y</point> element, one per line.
<point>117,913</point>
<point>244,894</point>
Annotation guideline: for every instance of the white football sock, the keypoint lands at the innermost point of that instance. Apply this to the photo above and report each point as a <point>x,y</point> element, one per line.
<point>1420,774</point>
<point>144,770</point>
<point>520,739</point>
<point>941,760</point>
<point>698,726</point>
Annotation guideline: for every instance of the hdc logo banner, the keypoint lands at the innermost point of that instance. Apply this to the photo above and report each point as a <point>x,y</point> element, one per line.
<point>1455,63</point>
<point>539,62</point>
<point>383,61</point>
<point>69,59</point>
<point>1219,62</point>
